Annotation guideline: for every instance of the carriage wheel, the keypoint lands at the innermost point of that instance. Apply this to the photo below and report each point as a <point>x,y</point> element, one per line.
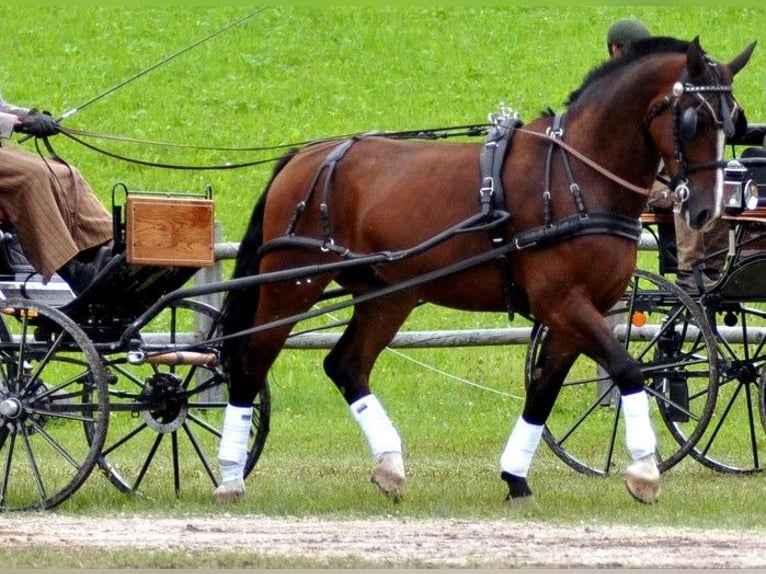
<point>667,333</point>
<point>762,400</point>
<point>51,381</point>
<point>734,442</point>
<point>167,419</point>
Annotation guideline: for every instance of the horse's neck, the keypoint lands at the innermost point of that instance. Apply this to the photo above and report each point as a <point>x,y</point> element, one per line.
<point>613,132</point>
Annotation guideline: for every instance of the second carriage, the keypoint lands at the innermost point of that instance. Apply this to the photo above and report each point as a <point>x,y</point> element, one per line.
<point>703,354</point>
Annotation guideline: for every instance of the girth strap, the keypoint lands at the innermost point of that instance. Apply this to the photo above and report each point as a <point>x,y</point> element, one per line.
<point>492,194</point>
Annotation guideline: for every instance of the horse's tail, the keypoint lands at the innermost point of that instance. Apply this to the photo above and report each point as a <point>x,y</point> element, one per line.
<point>240,305</point>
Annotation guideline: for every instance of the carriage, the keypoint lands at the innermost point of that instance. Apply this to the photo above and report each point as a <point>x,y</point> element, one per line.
<point>84,388</point>
<point>119,362</point>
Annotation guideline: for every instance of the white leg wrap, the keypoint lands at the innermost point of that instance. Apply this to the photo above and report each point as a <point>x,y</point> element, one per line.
<point>232,451</point>
<point>639,435</point>
<point>376,426</point>
<point>520,448</point>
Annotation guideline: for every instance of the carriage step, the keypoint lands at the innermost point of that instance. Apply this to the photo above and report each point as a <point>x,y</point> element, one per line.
<point>55,293</point>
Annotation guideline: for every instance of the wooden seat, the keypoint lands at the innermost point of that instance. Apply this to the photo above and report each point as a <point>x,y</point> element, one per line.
<point>757,215</point>
<point>656,217</point>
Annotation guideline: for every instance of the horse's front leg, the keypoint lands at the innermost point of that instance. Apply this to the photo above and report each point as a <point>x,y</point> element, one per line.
<point>558,352</point>
<point>554,361</point>
<point>642,477</point>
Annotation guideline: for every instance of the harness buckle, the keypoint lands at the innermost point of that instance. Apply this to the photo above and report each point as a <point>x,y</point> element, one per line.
<point>554,133</point>
<point>487,189</point>
<point>681,192</point>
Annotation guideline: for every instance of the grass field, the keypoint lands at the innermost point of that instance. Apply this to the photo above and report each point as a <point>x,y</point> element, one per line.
<point>291,74</point>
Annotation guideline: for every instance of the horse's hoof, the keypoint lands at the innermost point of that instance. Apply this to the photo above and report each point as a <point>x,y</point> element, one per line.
<point>518,488</point>
<point>388,475</point>
<point>232,491</point>
<point>642,479</point>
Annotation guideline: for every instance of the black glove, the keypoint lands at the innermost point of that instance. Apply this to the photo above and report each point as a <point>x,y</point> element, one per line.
<point>38,124</point>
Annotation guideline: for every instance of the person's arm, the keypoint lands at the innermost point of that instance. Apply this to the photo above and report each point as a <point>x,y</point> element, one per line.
<point>7,122</point>
<point>9,116</point>
<point>26,121</point>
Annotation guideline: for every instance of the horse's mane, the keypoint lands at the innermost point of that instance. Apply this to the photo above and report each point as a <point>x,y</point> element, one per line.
<point>635,51</point>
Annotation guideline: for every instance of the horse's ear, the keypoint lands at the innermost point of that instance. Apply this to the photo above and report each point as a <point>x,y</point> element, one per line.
<point>739,62</point>
<point>695,62</point>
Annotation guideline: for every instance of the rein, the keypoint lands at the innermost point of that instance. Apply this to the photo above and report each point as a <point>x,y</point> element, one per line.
<point>471,130</point>
<point>553,138</point>
<point>432,134</point>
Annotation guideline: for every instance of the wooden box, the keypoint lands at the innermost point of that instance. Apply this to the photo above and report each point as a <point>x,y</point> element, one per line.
<point>170,231</point>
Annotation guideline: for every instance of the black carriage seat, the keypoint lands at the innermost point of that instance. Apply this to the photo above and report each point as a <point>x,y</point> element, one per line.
<point>757,171</point>
<point>19,279</point>
<point>751,223</point>
<point>120,292</point>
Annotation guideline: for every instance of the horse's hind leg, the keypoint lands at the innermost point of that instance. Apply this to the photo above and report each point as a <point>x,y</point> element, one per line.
<point>349,364</point>
<point>248,370</point>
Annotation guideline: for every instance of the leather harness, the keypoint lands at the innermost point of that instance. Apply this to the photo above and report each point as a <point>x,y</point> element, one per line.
<point>493,200</point>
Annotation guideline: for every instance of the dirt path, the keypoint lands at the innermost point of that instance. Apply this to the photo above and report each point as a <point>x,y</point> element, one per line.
<point>395,541</point>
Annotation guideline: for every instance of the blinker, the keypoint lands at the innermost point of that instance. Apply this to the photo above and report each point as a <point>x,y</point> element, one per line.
<point>687,124</point>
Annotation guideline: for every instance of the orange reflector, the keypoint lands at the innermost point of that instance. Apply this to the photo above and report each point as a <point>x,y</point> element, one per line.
<point>638,319</point>
<point>19,312</point>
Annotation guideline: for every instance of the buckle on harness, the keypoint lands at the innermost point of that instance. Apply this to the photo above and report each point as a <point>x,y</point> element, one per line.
<point>487,188</point>
<point>554,133</point>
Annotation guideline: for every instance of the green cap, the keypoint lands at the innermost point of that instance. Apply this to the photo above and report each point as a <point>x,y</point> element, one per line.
<point>625,31</point>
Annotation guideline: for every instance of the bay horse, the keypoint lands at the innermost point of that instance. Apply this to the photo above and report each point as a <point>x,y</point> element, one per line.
<point>541,219</point>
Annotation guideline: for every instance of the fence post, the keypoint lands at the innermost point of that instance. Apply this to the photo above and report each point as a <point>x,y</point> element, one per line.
<point>209,275</point>
<point>203,322</point>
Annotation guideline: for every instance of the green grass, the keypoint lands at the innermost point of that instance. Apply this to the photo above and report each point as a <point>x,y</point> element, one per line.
<point>296,73</point>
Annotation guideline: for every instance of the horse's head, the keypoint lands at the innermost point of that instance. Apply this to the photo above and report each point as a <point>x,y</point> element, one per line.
<point>689,127</point>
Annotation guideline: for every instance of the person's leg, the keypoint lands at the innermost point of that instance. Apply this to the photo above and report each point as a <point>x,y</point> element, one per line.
<point>690,248</point>
<point>54,212</point>
<point>715,246</point>
<point>29,198</point>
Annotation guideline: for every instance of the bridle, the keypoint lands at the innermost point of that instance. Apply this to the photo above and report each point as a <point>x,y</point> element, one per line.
<point>686,118</point>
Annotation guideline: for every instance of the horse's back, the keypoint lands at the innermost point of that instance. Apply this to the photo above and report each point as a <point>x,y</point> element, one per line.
<point>379,184</point>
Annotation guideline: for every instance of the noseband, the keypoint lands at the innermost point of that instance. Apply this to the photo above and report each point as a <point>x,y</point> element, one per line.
<point>685,120</point>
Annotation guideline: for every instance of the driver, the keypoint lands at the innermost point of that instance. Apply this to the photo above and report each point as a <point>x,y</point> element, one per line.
<point>60,223</point>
